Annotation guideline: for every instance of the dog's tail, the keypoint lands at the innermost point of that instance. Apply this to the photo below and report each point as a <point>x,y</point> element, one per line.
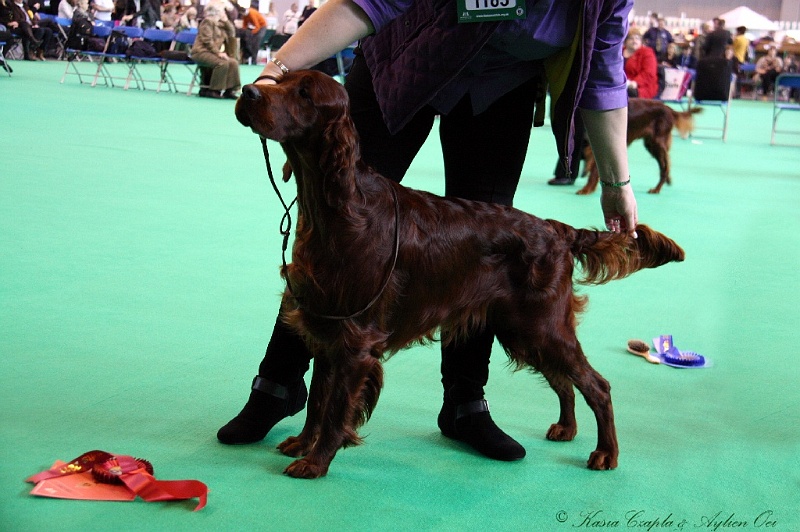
<point>684,120</point>
<point>604,256</point>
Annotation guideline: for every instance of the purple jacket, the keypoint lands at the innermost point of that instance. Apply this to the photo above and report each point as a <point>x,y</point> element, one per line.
<point>419,47</point>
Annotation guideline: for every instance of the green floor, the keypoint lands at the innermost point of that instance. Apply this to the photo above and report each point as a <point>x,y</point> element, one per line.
<point>139,254</point>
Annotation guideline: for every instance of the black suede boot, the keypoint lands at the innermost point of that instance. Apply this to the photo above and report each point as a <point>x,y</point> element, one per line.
<point>268,403</point>
<point>465,414</point>
<point>472,424</point>
<point>286,361</point>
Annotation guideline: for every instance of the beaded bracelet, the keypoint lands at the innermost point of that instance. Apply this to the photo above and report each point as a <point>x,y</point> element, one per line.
<point>610,184</point>
<point>280,65</point>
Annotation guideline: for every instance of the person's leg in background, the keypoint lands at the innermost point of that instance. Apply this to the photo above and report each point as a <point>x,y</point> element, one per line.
<point>561,177</point>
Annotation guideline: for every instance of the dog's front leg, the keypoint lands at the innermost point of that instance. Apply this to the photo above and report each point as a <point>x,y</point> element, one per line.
<point>319,391</point>
<point>339,413</point>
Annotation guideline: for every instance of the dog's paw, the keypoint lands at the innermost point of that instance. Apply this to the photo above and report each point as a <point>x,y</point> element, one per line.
<point>585,191</point>
<point>303,468</point>
<point>561,433</point>
<point>294,446</point>
<point>602,460</point>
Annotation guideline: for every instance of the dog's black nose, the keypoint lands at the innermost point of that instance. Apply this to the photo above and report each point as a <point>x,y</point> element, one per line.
<point>250,92</point>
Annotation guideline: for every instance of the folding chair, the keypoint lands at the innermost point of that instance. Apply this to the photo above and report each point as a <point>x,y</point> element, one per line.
<point>75,56</point>
<point>714,85</point>
<point>184,39</point>
<point>746,78</point>
<point>59,35</point>
<point>120,37</point>
<point>3,63</point>
<point>790,82</point>
<point>159,39</point>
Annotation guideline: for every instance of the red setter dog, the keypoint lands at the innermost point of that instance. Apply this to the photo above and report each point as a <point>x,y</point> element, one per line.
<point>652,121</point>
<point>377,266</point>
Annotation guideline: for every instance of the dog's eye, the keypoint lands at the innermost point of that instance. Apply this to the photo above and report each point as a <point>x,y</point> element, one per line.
<point>303,92</point>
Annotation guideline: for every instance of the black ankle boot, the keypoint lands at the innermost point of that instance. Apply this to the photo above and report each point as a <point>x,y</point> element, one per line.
<point>472,424</point>
<point>269,403</point>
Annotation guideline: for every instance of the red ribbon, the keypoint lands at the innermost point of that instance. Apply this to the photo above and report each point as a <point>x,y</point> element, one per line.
<point>133,474</point>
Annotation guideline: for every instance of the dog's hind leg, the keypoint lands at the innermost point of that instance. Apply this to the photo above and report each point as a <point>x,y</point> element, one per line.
<point>567,427</point>
<point>563,364</point>
<point>597,392</point>
<point>353,391</point>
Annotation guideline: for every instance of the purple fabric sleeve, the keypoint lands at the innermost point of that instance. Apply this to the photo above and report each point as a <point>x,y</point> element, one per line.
<point>381,12</point>
<point>606,87</point>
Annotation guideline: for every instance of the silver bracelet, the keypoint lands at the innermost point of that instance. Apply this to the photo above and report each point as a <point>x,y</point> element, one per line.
<point>619,184</point>
<point>280,65</point>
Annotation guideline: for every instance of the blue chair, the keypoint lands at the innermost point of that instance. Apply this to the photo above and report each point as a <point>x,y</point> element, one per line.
<point>93,56</point>
<point>184,39</point>
<point>160,39</point>
<point>791,84</point>
<point>3,63</point>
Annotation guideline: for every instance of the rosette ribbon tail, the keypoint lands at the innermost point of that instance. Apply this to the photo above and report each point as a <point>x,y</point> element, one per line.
<point>150,489</point>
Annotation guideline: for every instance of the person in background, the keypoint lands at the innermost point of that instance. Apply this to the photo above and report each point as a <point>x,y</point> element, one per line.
<point>216,47</point>
<point>291,20</point>
<point>673,56</point>
<point>307,12</point>
<point>687,60</point>
<point>700,41</point>
<point>20,20</point>
<point>254,26</point>
<point>658,38</point>
<point>741,44</point>
<point>768,67</point>
<point>66,8</point>
<point>486,83</point>
<point>102,10</point>
<point>717,41</point>
<point>188,19</point>
<point>271,17</point>
<point>641,67</point>
<point>170,18</point>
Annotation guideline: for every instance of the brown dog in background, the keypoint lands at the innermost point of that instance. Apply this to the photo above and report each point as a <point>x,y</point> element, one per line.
<point>652,121</point>
<point>377,266</point>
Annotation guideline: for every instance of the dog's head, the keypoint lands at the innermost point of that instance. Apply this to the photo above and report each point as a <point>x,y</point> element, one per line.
<point>300,105</point>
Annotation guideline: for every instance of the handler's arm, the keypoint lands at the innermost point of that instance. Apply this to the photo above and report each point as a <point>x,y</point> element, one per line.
<point>608,135</point>
<point>334,26</point>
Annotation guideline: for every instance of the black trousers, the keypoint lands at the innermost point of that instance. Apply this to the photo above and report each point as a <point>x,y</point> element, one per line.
<point>483,157</point>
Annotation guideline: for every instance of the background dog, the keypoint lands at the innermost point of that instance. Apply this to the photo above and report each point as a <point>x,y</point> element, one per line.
<point>377,266</point>
<point>652,121</point>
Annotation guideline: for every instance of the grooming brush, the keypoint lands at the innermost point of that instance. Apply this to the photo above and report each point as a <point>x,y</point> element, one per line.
<point>640,348</point>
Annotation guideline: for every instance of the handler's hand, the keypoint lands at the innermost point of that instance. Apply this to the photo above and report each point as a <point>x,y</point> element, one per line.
<point>619,209</point>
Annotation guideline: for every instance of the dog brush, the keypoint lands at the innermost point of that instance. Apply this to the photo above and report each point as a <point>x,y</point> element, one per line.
<point>672,356</point>
<point>640,348</point>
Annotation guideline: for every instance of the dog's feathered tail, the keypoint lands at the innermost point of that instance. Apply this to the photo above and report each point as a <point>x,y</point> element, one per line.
<point>604,256</point>
<point>684,121</point>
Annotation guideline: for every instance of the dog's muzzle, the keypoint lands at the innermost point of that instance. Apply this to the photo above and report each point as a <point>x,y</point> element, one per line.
<point>251,92</point>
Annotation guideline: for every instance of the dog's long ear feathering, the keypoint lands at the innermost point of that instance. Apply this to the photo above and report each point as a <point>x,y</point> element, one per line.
<point>339,143</point>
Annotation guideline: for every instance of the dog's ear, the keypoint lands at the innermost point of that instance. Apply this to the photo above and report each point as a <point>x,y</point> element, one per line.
<point>339,142</point>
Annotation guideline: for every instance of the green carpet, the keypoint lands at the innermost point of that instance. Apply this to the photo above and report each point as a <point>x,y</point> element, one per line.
<point>139,255</point>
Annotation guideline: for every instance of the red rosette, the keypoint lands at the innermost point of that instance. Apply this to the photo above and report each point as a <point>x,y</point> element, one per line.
<point>110,471</point>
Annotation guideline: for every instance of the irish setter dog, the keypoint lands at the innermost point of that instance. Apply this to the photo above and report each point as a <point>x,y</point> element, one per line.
<point>652,121</point>
<point>377,266</point>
